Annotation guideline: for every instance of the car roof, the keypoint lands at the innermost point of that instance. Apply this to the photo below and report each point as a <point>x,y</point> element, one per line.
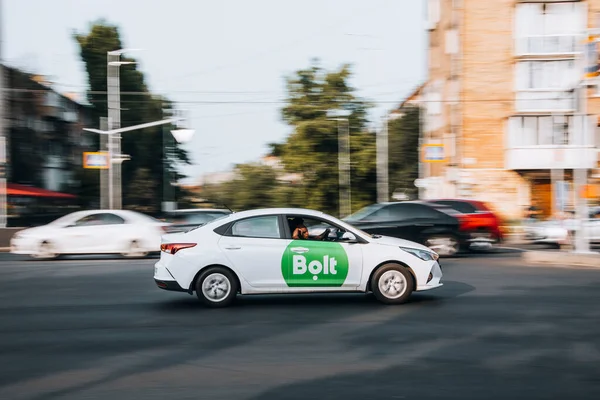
<point>198,210</point>
<point>423,202</point>
<point>268,211</point>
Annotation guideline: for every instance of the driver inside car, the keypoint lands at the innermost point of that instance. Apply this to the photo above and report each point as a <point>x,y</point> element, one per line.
<point>300,231</point>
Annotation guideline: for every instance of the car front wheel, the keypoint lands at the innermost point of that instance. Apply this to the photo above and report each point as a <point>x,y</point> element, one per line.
<point>444,245</point>
<point>392,284</point>
<point>217,287</point>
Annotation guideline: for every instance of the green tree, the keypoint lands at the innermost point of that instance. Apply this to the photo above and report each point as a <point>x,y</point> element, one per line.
<point>404,151</point>
<point>312,148</point>
<point>139,106</point>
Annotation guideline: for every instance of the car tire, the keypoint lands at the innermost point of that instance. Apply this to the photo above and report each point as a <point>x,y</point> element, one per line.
<point>135,251</point>
<point>444,245</point>
<point>46,251</point>
<point>217,287</point>
<point>392,284</point>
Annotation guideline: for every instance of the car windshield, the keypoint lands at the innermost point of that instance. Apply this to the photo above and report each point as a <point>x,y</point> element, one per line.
<point>362,213</point>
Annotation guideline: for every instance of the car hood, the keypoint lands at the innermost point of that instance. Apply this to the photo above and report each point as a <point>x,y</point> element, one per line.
<point>391,241</point>
<point>35,231</point>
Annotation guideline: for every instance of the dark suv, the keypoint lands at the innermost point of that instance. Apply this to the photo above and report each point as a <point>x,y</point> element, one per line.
<point>435,226</point>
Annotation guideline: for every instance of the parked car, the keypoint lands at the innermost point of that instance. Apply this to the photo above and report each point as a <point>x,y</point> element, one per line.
<point>184,220</point>
<point>129,233</point>
<point>435,226</point>
<point>477,220</point>
<point>558,232</point>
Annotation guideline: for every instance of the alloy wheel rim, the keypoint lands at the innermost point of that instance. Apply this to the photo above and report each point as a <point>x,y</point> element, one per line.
<point>392,284</point>
<point>216,287</point>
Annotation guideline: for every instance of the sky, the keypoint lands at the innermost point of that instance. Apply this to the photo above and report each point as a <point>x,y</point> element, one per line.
<point>224,62</point>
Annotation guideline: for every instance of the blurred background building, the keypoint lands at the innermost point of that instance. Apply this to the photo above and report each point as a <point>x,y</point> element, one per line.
<point>45,142</point>
<point>502,99</point>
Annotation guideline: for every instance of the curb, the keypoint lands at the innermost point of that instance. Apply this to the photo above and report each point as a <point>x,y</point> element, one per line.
<point>564,259</point>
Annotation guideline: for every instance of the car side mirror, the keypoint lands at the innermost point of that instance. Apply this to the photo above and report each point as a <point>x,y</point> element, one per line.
<point>348,237</point>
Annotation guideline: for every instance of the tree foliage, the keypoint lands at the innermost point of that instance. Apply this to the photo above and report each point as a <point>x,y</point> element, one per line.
<point>404,152</point>
<point>145,146</point>
<point>311,150</point>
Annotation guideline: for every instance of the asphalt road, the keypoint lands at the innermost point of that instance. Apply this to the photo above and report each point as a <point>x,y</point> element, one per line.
<point>100,329</point>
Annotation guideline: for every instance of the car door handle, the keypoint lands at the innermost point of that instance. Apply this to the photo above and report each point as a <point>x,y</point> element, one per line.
<point>423,224</point>
<point>299,250</point>
<point>232,247</point>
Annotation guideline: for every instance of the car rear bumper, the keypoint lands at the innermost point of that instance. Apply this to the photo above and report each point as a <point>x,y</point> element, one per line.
<point>169,285</point>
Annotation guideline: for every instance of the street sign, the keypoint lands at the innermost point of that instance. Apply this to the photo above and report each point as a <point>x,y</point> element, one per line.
<point>95,160</point>
<point>433,153</point>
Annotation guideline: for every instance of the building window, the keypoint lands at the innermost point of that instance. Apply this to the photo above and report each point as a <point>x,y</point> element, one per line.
<point>545,75</point>
<point>548,28</point>
<point>452,41</point>
<point>433,13</point>
<point>551,130</point>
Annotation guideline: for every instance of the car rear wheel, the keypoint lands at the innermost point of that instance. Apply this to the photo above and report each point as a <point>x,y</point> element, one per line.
<point>392,284</point>
<point>135,251</point>
<point>444,245</point>
<point>46,251</point>
<point>217,287</point>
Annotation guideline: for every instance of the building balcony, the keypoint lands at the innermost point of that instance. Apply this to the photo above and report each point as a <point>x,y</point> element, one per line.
<point>547,45</point>
<point>540,101</point>
<point>547,142</point>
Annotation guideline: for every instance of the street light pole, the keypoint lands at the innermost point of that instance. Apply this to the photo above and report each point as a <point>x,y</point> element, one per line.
<point>113,92</point>
<point>382,162</point>
<point>344,167</point>
<point>343,159</point>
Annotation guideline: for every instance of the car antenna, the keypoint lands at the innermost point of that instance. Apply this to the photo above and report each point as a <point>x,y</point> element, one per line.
<point>227,207</point>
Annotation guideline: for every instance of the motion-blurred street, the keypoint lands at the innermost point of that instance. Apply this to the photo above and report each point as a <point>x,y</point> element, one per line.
<point>98,328</point>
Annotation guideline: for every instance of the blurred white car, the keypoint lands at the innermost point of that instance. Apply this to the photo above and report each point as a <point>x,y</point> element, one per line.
<point>556,232</point>
<point>129,233</point>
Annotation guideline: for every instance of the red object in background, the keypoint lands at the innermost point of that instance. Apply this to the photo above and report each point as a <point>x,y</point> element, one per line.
<point>14,189</point>
<point>475,216</point>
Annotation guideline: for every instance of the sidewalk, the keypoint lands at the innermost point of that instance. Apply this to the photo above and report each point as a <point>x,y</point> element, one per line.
<point>552,257</point>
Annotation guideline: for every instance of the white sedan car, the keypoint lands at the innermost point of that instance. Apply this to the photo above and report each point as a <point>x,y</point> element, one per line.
<point>252,252</point>
<point>129,233</point>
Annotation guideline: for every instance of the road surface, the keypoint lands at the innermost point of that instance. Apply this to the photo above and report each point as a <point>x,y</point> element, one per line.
<point>100,329</point>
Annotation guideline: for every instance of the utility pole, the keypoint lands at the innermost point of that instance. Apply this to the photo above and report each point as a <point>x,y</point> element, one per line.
<point>382,162</point>
<point>344,166</point>
<point>580,176</point>
<point>3,158</point>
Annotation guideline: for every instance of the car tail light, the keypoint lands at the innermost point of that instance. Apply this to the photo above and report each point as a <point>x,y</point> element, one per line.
<point>172,248</point>
<point>462,221</point>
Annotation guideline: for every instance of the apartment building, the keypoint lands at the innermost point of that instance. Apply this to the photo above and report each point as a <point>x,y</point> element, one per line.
<point>503,98</point>
<point>44,129</point>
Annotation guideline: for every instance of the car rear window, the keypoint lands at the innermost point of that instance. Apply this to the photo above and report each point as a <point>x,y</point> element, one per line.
<point>460,206</point>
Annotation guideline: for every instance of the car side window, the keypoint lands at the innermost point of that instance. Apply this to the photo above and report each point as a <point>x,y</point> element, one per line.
<point>89,220</point>
<point>422,211</point>
<point>100,219</point>
<point>462,207</point>
<point>257,227</point>
<point>112,219</point>
<point>316,228</point>
<point>392,212</point>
